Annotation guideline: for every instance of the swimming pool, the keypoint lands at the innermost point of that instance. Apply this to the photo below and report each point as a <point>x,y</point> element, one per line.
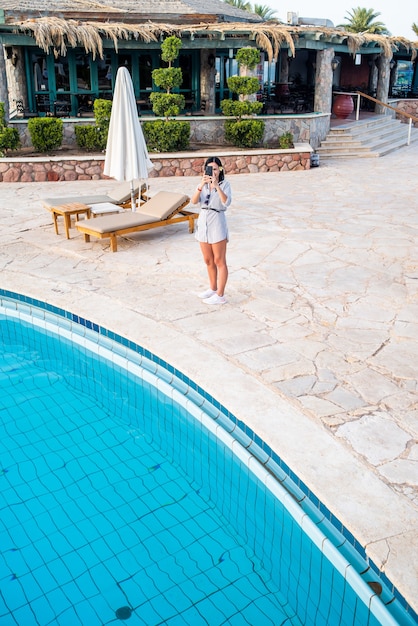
<point>128,494</point>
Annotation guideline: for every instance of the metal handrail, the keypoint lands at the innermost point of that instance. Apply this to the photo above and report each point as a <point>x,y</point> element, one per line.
<point>388,106</point>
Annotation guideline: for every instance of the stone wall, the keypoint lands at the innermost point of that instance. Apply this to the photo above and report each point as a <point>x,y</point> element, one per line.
<point>42,169</point>
<point>408,106</point>
<point>309,128</point>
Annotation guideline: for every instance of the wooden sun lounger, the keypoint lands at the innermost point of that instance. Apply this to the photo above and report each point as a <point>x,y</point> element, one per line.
<point>120,195</point>
<point>163,209</point>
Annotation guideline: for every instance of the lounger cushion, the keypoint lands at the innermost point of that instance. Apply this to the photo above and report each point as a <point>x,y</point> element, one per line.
<point>113,223</point>
<point>118,195</point>
<point>158,208</point>
<point>163,204</point>
<point>88,200</point>
<point>122,193</point>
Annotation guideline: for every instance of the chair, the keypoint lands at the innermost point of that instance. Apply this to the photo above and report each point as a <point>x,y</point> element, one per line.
<point>43,104</point>
<point>62,108</point>
<point>22,111</point>
<point>163,209</point>
<point>120,195</point>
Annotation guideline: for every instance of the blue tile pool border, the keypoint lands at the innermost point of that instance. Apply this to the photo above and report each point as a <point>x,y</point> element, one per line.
<point>330,525</point>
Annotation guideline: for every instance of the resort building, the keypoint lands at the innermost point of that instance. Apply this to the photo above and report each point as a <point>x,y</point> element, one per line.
<point>60,56</point>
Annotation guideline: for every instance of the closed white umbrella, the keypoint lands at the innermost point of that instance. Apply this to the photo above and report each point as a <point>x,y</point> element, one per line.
<point>126,151</point>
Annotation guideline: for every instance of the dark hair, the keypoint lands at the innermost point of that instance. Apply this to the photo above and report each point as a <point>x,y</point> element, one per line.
<point>218,162</point>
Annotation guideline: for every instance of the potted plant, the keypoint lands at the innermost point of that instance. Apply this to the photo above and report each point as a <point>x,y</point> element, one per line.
<point>286,141</point>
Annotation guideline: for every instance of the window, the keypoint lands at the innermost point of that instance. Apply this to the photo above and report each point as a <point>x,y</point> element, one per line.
<point>82,64</point>
<point>104,71</point>
<point>40,72</point>
<point>62,76</point>
<point>402,84</point>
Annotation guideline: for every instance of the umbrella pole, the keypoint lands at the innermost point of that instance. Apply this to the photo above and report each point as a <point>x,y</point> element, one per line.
<point>133,201</point>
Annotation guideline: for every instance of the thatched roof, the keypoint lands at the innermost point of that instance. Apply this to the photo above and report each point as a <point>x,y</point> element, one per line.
<point>126,10</point>
<point>53,33</point>
<point>57,25</point>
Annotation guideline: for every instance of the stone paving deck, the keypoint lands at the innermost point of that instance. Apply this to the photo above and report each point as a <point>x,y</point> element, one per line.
<point>317,347</point>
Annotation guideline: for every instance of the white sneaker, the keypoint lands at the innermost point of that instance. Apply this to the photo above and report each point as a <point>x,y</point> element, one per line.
<point>206,294</point>
<point>215,299</point>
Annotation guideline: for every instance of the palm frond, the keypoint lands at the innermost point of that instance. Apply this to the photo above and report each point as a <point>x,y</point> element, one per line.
<point>56,34</point>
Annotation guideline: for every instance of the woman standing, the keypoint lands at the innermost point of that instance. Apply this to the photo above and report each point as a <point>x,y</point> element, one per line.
<point>214,195</point>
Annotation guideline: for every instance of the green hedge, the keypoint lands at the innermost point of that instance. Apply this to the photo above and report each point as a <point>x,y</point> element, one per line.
<point>244,133</point>
<point>9,137</point>
<point>88,137</point>
<point>102,112</point>
<point>166,136</point>
<point>46,133</point>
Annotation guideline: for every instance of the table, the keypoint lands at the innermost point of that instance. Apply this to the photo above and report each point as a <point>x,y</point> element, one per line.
<point>146,104</point>
<point>67,210</point>
<point>104,208</point>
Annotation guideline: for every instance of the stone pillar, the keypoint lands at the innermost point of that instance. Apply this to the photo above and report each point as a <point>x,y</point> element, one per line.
<point>4,96</point>
<point>284,66</point>
<point>323,81</point>
<point>373,75</point>
<point>15,77</point>
<point>383,64</point>
<point>207,81</point>
<point>392,77</point>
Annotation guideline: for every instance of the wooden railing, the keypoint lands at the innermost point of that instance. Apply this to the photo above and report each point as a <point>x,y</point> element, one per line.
<point>411,118</point>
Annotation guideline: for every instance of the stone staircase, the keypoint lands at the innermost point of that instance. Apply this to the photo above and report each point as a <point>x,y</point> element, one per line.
<point>371,137</point>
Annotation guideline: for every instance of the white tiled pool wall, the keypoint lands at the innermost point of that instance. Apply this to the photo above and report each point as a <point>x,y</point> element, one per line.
<point>272,534</point>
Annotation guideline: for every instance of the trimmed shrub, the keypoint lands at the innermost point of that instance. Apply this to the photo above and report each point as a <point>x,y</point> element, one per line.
<point>167,77</point>
<point>166,136</point>
<point>9,137</point>
<point>46,133</point>
<point>240,108</point>
<point>88,137</point>
<point>102,111</point>
<point>170,48</point>
<point>166,104</point>
<point>244,133</point>
<point>248,57</point>
<point>244,85</point>
<point>9,140</point>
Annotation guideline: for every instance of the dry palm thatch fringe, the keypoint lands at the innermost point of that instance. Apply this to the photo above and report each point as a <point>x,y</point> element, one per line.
<point>387,43</point>
<point>58,34</point>
<point>267,37</point>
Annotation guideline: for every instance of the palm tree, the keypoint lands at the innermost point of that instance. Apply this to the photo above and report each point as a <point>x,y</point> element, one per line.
<point>240,4</point>
<point>265,12</point>
<point>360,20</point>
<point>415,28</point>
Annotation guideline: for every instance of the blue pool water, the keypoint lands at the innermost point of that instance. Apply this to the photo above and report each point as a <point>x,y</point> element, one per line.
<point>126,496</point>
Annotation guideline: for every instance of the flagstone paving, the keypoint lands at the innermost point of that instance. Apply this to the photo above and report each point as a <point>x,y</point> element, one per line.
<point>317,347</point>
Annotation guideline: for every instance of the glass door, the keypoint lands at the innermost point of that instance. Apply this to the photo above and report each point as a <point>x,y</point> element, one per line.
<point>226,66</point>
<point>189,87</point>
<point>146,63</point>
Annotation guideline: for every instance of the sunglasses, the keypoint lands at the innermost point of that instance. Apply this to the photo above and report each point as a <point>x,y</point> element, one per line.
<point>207,199</point>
